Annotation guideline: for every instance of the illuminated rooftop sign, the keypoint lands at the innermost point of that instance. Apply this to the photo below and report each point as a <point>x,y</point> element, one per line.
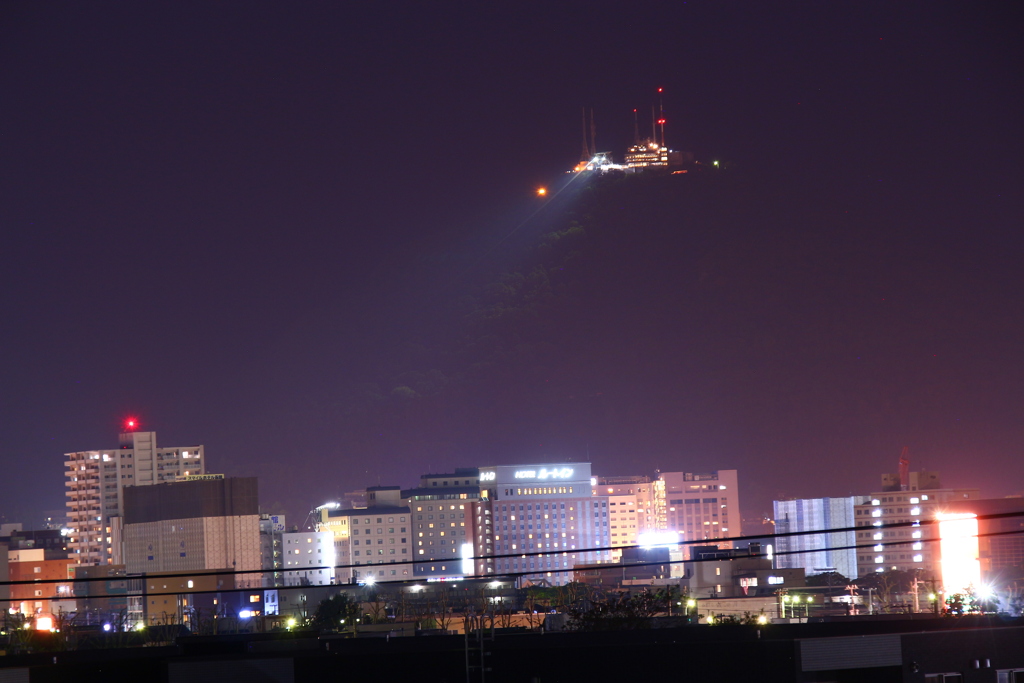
<point>545,473</point>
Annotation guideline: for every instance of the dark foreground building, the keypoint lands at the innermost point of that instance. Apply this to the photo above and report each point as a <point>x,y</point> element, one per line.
<point>972,650</point>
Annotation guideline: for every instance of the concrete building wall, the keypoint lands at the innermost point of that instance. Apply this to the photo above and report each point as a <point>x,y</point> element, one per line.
<point>202,543</point>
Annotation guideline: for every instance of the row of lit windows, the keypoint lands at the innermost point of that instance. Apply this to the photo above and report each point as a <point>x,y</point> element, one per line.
<point>540,491</point>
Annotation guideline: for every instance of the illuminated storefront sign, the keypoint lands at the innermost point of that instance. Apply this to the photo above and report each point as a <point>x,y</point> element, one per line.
<point>545,473</point>
<point>488,476</point>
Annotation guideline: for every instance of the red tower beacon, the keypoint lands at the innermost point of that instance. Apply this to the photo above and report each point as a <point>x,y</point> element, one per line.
<point>131,424</point>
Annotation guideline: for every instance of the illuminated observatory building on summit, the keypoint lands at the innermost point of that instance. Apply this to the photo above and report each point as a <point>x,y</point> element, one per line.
<point>538,521</point>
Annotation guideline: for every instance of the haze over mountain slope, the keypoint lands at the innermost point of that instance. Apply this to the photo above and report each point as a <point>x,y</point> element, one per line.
<point>700,321</point>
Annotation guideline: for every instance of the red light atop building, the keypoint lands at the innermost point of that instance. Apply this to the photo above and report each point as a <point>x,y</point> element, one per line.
<point>130,424</point>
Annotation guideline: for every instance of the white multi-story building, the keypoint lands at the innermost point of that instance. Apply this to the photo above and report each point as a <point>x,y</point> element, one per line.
<point>373,542</point>
<point>539,521</point>
<point>817,553</point>
<point>94,488</point>
<point>308,558</point>
<point>914,546</point>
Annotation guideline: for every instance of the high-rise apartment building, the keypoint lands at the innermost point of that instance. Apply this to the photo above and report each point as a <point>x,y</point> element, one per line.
<point>95,483</point>
<point>272,529</point>
<point>818,553</point>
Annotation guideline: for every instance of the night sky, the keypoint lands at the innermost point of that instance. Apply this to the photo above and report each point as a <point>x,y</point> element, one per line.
<point>282,230</point>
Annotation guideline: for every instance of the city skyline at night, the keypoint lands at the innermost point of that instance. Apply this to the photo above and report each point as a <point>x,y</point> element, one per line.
<point>316,244</point>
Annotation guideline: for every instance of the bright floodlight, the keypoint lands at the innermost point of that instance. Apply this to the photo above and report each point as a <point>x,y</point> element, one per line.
<point>495,584</point>
<point>958,534</point>
<point>541,191</point>
<point>656,539</point>
<point>106,627</point>
<point>370,580</point>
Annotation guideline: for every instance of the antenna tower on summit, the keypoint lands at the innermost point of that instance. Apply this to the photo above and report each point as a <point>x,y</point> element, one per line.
<point>586,155</point>
<point>905,469</point>
<point>661,119</point>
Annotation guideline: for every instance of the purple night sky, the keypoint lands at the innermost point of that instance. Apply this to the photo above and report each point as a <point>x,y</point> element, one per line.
<point>277,229</point>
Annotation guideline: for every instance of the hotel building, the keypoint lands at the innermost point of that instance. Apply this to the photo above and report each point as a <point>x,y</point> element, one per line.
<point>371,542</point>
<point>539,521</point>
<point>444,507</point>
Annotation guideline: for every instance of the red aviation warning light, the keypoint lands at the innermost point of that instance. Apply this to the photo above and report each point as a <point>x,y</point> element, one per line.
<point>131,424</point>
<point>661,90</point>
